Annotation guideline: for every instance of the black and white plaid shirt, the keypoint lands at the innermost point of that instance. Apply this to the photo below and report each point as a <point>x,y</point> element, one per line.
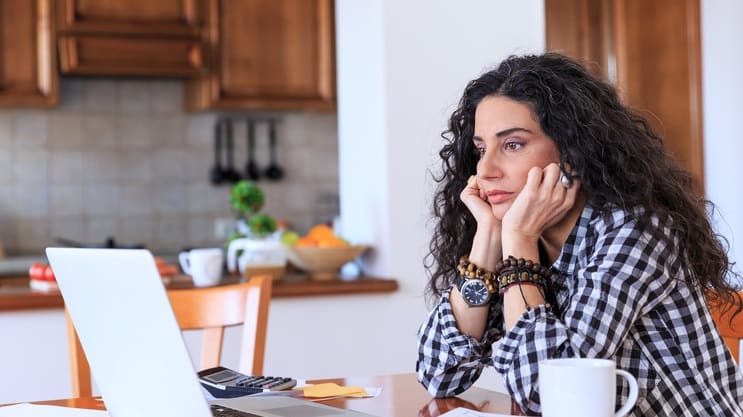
<point>620,295</point>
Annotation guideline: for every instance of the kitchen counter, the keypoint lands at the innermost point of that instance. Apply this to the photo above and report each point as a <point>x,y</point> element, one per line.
<point>15,293</point>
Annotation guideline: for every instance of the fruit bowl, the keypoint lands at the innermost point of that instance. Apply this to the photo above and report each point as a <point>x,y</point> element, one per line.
<point>323,263</point>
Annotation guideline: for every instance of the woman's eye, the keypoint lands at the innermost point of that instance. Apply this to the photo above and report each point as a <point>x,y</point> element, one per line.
<point>512,146</point>
<point>480,151</point>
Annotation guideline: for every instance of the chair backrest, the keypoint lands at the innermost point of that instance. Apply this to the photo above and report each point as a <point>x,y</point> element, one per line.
<point>208,308</point>
<point>731,331</point>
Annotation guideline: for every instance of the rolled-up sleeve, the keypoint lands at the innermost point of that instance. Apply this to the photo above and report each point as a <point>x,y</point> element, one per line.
<point>449,362</point>
<point>623,276</point>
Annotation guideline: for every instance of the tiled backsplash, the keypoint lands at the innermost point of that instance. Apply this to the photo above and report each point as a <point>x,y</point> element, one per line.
<point>122,158</point>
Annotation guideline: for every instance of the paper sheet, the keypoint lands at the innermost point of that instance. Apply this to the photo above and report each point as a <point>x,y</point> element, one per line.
<point>34,410</point>
<point>464,412</point>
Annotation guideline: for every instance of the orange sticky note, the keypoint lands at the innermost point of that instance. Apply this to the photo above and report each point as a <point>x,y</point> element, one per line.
<point>331,389</point>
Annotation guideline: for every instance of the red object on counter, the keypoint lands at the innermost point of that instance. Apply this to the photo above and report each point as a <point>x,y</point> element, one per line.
<point>41,272</point>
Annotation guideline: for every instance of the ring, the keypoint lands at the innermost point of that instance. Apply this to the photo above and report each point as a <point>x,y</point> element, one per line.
<point>566,181</point>
<point>469,180</point>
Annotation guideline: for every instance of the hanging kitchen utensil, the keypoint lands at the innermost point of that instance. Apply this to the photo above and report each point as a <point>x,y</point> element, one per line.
<point>216,173</point>
<point>252,172</point>
<point>230,173</point>
<point>274,170</point>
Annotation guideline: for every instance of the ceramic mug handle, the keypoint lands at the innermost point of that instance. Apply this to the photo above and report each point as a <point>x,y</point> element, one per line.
<point>185,260</point>
<point>633,391</point>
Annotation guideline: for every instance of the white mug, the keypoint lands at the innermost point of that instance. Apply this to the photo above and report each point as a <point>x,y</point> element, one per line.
<point>204,265</point>
<point>577,387</point>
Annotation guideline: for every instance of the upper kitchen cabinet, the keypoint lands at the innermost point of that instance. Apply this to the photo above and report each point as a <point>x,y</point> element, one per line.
<point>131,38</point>
<point>267,55</point>
<point>651,51</point>
<point>28,75</point>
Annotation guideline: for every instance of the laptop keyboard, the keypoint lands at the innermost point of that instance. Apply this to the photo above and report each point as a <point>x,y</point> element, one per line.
<point>222,411</point>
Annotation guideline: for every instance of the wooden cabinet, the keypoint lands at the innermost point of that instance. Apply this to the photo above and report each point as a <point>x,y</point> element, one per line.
<point>28,76</point>
<point>651,51</point>
<point>132,37</point>
<point>267,55</point>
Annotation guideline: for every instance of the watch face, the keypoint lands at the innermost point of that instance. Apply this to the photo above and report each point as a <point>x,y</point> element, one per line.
<point>475,293</point>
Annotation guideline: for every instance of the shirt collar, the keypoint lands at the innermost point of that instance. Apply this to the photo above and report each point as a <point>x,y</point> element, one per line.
<point>567,259</point>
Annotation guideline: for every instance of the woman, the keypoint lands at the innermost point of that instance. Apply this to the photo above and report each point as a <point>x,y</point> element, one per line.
<point>542,162</point>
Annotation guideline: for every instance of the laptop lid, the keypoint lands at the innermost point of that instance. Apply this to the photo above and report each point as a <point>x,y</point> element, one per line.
<point>127,329</point>
<point>133,344</point>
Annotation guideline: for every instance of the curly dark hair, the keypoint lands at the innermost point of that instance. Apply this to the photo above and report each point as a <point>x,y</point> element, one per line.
<point>598,137</point>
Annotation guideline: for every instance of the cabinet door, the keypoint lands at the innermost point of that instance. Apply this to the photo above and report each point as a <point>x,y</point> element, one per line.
<point>268,54</point>
<point>651,51</point>
<point>28,76</point>
<point>130,17</point>
<point>132,37</point>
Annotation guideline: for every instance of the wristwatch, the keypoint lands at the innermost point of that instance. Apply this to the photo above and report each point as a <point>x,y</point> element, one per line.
<point>474,291</point>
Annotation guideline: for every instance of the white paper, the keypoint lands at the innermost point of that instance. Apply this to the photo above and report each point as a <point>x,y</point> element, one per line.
<point>465,412</point>
<point>34,410</point>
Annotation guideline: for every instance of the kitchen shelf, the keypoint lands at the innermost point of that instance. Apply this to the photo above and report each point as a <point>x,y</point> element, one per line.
<point>16,295</point>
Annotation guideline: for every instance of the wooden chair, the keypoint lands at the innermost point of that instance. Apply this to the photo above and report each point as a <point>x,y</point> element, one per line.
<point>732,332</point>
<point>211,309</point>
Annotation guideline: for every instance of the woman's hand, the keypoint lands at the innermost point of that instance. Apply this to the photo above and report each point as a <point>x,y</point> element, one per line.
<point>474,198</point>
<point>542,203</point>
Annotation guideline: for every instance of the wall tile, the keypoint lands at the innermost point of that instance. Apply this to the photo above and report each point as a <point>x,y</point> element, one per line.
<point>169,165</point>
<point>134,96</point>
<point>201,232</point>
<point>30,166</point>
<point>169,199</point>
<point>70,228</point>
<point>33,235</point>
<point>171,233</point>
<point>71,94</point>
<point>135,230</point>
<point>135,132</point>
<point>8,203</point>
<point>99,131</point>
<point>65,201</point>
<point>101,199</point>
<point>168,131</point>
<point>200,131</point>
<point>6,158</point>
<point>100,95</point>
<point>167,96</point>
<point>65,130</point>
<point>135,200</point>
<point>29,129</point>
<point>134,166</point>
<point>100,166</point>
<point>66,167</point>
<point>98,228</point>
<point>6,130</point>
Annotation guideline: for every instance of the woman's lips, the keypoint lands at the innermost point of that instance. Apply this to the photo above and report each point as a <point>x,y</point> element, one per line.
<point>497,196</point>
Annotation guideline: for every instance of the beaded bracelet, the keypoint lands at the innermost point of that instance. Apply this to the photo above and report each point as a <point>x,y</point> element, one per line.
<point>512,262</point>
<point>472,271</point>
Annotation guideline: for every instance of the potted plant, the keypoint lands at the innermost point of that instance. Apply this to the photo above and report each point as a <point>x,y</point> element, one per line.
<point>255,247</point>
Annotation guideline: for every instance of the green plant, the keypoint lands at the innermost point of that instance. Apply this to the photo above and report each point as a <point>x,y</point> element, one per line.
<point>247,199</point>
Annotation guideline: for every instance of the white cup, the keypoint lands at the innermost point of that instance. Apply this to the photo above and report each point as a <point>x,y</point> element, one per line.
<point>579,387</point>
<point>204,265</point>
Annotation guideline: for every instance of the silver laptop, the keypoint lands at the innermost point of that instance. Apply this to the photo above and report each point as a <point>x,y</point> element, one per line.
<point>134,346</point>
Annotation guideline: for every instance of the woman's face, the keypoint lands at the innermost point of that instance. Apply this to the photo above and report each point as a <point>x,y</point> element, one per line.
<point>510,142</point>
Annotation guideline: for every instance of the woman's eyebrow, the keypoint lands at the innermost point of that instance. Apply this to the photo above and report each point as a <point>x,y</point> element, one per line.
<point>511,130</point>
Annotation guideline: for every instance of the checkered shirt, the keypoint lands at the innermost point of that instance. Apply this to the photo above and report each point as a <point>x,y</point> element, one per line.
<point>621,294</point>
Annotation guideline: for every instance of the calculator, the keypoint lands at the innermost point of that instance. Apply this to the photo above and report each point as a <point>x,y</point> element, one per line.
<point>224,382</point>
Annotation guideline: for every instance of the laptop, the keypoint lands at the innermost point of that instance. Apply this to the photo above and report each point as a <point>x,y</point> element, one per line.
<point>135,348</point>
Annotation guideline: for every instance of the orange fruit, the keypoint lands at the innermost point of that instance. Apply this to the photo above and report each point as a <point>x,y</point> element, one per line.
<point>305,241</point>
<point>333,242</point>
<point>321,231</point>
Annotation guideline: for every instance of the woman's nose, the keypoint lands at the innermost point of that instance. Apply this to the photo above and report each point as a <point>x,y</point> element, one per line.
<point>489,166</point>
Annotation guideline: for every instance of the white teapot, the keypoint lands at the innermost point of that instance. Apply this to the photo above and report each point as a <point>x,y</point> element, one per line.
<point>256,253</point>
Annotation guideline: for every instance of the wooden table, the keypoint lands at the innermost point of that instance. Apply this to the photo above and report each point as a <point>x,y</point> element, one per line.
<point>402,396</point>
